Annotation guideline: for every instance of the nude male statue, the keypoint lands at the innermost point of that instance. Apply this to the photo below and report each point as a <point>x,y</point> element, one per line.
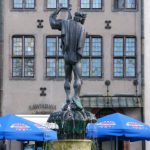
<point>73,37</point>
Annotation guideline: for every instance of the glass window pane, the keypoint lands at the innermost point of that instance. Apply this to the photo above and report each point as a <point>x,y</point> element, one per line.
<point>29,46</point>
<point>51,46</point>
<point>121,3</point>
<point>85,67</point>
<point>96,46</point>
<point>130,67</point>
<point>17,67</point>
<point>61,67</point>
<point>97,4</point>
<point>51,3</point>
<point>118,68</point>
<point>130,46</point>
<point>51,68</point>
<point>86,47</point>
<point>118,46</point>
<point>96,65</point>
<point>18,4</point>
<point>85,3</point>
<point>63,3</point>
<point>59,47</point>
<point>29,67</point>
<point>29,4</point>
<point>131,4</point>
<point>17,46</point>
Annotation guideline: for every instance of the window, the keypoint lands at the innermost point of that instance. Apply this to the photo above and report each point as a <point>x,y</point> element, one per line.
<point>125,4</point>
<point>124,54</point>
<point>91,61</point>
<point>52,4</point>
<point>23,57</point>
<point>54,57</point>
<point>91,4</point>
<point>92,57</point>
<point>23,4</point>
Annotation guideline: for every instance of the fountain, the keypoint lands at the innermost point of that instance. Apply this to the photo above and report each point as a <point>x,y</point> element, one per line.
<point>73,118</point>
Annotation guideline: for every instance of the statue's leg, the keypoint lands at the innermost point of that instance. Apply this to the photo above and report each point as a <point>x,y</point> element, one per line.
<point>68,78</point>
<point>77,78</point>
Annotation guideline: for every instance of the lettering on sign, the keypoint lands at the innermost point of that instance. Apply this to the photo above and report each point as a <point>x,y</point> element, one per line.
<point>42,108</point>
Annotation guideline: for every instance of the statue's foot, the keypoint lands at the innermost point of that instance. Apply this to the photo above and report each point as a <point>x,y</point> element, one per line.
<point>77,102</point>
<point>73,104</point>
<point>67,105</point>
<point>68,101</point>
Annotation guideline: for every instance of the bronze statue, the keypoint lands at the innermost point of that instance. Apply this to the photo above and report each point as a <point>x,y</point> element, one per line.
<point>73,118</point>
<point>73,37</point>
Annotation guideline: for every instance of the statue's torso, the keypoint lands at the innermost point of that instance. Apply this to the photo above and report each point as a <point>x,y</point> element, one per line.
<point>71,36</point>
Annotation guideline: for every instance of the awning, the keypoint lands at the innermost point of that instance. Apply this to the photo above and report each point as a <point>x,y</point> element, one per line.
<point>40,119</point>
<point>96,101</point>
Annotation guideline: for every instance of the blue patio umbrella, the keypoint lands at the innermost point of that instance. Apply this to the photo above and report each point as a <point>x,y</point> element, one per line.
<point>120,126</point>
<point>16,128</point>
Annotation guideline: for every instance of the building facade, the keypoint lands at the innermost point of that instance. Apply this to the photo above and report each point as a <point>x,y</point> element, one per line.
<point>1,52</point>
<point>33,74</point>
<point>146,64</point>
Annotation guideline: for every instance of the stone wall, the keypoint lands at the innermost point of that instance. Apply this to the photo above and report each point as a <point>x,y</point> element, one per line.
<point>1,51</point>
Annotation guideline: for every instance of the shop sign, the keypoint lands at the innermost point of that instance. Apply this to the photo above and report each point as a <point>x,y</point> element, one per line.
<point>42,108</point>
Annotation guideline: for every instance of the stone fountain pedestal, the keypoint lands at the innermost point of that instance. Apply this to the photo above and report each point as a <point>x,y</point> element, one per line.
<point>72,144</point>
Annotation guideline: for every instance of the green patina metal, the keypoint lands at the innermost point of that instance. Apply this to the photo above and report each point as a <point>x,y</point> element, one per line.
<point>72,123</point>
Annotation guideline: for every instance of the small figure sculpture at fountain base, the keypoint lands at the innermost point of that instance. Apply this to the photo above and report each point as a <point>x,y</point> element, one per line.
<point>73,104</point>
<point>72,120</point>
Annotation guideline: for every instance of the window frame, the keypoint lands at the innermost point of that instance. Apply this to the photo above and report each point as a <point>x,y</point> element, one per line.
<point>56,57</point>
<point>23,57</point>
<point>23,6</point>
<point>90,6</point>
<point>116,8</point>
<point>124,57</point>
<point>57,5</point>
<point>84,57</point>
<point>90,57</point>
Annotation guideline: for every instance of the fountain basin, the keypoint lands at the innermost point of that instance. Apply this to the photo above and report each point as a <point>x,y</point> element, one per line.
<point>72,144</point>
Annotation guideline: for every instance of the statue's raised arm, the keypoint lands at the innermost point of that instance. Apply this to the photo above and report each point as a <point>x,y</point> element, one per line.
<point>57,23</point>
<point>54,22</point>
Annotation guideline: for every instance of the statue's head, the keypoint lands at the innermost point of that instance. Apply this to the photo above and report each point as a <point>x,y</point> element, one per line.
<point>80,17</point>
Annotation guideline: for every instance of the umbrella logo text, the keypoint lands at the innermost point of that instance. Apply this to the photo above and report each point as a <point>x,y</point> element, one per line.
<point>135,125</point>
<point>106,124</point>
<point>20,127</point>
